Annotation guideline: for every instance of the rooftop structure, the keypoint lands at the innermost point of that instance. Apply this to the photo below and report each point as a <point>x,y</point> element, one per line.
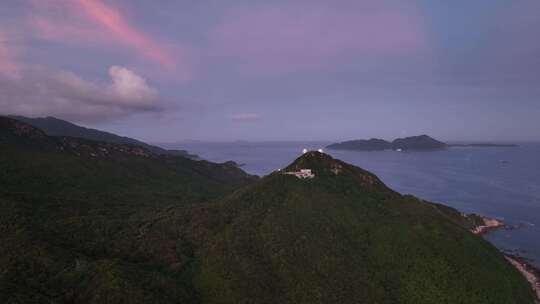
<point>302,174</point>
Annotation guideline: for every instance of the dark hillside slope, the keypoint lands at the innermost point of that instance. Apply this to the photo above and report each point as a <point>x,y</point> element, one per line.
<point>66,166</point>
<point>81,225</point>
<point>78,219</point>
<point>342,238</point>
<point>57,127</point>
<point>14,133</point>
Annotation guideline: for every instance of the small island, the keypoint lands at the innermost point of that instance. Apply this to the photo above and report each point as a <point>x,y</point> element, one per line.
<point>421,142</point>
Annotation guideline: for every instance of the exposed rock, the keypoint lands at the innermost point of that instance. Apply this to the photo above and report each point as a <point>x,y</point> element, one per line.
<point>489,225</point>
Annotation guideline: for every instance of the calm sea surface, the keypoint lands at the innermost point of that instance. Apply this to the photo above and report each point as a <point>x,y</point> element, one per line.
<point>502,183</point>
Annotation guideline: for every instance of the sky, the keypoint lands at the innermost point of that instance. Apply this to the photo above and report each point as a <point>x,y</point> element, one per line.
<point>167,71</point>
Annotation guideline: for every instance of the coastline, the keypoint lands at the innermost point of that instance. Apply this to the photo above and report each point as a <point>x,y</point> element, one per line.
<point>531,273</point>
<point>490,224</point>
<point>524,266</point>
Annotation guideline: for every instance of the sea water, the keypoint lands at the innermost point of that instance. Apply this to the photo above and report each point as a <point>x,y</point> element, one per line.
<point>499,182</point>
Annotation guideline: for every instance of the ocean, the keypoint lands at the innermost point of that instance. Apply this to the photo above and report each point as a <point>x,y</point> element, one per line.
<point>498,182</point>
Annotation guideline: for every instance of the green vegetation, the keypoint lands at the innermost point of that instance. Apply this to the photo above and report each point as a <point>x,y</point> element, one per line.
<point>83,229</point>
<point>57,127</point>
<point>345,238</point>
<point>126,227</point>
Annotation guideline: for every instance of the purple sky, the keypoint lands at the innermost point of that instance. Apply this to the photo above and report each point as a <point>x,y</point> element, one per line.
<point>276,70</point>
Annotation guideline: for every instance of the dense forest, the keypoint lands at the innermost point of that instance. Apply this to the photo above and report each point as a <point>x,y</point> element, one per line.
<point>84,221</point>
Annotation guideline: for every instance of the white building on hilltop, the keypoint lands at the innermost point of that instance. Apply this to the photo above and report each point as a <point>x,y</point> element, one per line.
<point>302,174</point>
<point>304,151</point>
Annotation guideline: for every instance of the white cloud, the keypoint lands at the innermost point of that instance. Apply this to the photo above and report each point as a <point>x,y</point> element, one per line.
<point>42,92</point>
<point>130,86</point>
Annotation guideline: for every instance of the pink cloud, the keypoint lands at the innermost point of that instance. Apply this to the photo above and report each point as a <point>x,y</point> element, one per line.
<point>87,22</point>
<point>8,63</point>
<point>69,31</point>
<point>282,39</point>
<point>117,24</point>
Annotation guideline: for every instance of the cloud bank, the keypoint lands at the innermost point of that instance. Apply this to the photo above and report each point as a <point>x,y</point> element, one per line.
<point>45,92</point>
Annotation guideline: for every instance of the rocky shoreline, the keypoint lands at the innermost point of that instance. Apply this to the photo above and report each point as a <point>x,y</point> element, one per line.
<point>530,272</point>
<point>490,224</point>
<point>524,266</point>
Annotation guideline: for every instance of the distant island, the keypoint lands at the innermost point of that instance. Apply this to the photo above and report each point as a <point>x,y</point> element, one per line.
<point>421,142</point>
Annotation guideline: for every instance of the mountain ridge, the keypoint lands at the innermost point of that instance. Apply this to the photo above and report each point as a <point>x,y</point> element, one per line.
<point>57,127</point>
